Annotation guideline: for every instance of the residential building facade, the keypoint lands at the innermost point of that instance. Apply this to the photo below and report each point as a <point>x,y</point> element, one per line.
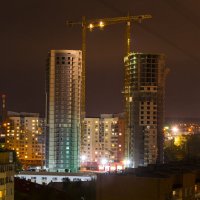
<point>103,139</point>
<point>25,135</point>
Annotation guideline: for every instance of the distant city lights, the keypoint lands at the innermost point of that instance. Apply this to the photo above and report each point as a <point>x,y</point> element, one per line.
<point>175,129</point>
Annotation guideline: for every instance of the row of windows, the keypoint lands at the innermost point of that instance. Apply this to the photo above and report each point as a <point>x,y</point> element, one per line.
<point>148,88</point>
<point>148,112</point>
<point>63,62</point>
<point>4,168</point>
<point>6,180</point>
<point>63,58</point>
<point>148,122</point>
<point>148,103</point>
<point>148,107</point>
<point>148,117</point>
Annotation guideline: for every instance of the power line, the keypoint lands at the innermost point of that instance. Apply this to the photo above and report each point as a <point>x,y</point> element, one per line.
<point>184,12</point>
<point>153,32</point>
<point>172,44</point>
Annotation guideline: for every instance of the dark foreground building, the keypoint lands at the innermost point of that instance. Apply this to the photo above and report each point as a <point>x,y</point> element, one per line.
<point>7,170</point>
<point>144,96</point>
<point>164,182</point>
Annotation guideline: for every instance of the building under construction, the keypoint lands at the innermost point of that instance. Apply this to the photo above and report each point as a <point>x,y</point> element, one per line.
<point>144,102</point>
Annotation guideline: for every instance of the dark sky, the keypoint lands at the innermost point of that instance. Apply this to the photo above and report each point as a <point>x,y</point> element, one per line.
<point>30,28</point>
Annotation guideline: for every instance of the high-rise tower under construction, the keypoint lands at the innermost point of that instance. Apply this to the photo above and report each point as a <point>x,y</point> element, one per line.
<point>144,102</point>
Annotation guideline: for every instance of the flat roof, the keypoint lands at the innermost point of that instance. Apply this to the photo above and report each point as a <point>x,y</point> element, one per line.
<point>53,173</point>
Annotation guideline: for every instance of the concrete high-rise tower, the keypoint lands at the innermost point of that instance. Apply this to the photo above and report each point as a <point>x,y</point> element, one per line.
<point>144,98</point>
<point>63,110</point>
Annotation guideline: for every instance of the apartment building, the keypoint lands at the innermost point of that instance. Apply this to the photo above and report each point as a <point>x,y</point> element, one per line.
<point>25,135</point>
<point>103,140</point>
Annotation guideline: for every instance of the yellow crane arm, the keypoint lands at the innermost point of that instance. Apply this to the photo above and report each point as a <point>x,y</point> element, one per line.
<point>92,23</point>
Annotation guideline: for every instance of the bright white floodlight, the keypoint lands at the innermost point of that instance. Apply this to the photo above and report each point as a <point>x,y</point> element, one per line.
<point>103,161</point>
<point>174,129</point>
<point>127,162</point>
<point>83,158</point>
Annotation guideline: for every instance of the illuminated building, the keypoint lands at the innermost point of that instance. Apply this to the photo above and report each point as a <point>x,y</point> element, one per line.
<point>144,96</point>
<point>7,170</point>
<point>44,178</point>
<point>103,139</point>
<point>25,135</point>
<point>63,110</point>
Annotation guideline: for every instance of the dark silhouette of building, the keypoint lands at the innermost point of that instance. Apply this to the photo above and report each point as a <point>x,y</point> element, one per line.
<point>155,182</point>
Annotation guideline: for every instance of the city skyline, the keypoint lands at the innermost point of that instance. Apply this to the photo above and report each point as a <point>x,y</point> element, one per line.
<point>99,99</point>
<point>30,29</point>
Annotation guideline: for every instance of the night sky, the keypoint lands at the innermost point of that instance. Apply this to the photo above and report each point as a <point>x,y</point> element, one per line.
<point>30,28</point>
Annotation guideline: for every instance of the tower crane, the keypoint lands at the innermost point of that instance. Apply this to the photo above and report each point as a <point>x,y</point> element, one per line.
<point>101,23</point>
